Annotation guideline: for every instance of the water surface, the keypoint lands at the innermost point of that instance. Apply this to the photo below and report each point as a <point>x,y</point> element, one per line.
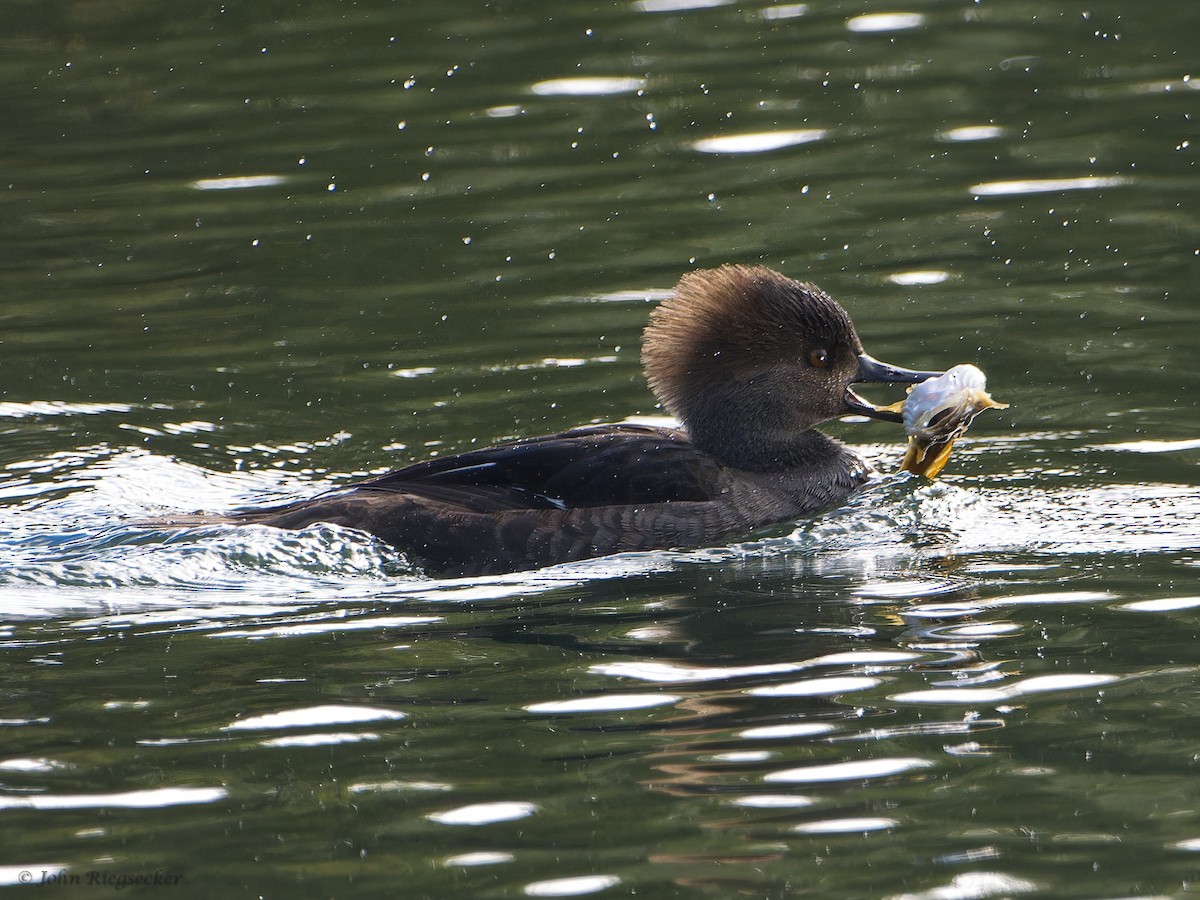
<point>250,252</point>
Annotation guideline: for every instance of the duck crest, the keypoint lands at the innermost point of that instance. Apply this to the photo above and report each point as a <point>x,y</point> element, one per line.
<point>730,322</point>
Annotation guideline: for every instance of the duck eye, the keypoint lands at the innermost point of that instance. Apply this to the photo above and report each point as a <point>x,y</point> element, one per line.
<point>818,358</point>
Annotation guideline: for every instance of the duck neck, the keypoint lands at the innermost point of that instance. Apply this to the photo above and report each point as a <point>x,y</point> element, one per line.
<point>809,449</point>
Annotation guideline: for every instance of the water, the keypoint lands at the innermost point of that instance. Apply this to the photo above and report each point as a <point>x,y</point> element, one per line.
<point>251,252</point>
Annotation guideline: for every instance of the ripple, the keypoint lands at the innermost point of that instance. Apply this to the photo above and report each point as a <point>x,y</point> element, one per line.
<point>963,610</point>
<point>151,799</point>
<point>968,133</point>
<point>953,695</point>
<point>846,826</point>
<point>919,276</point>
<point>371,787</point>
<point>10,410</point>
<point>1046,185</point>
<point>1163,604</point>
<point>314,716</point>
<point>1154,446</point>
<point>552,362</point>
<point>484,813</point>
<point>330,626</point>
<point>239,182</point>
<point>1043,683</point>
<point>1039,684</point>
<point>662,6</point>
<point>975,631</point>
<point>663,672</point>
<point>785,11</point>
<point>775,732</point>
<point>320,740</point>
<point>864,657</point>
<point>38,764</point>
<point>593,86</point>
<point>604,703</point>
<point>817,687</point>
<point>414,372</point>
<point>855,770</point>
<point>571,887</point>
<point>758,141</point>
<point>914,588</point>
<point>876,22</point>
<point>632,296</point>
<point>741,756</point>
<point>974,886</point>
<point>479,858</point>
<point>773,801</point>
<point>968,724</point>
<point>671,672</point>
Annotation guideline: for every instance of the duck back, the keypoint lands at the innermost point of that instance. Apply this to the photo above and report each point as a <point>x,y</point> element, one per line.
<point>578,494</point>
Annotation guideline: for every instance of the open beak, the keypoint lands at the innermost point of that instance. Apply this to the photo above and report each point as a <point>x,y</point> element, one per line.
<point>871,370</point>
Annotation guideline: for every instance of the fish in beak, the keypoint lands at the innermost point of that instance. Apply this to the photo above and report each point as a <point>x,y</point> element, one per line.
<point>937,412</point>
<point>872,371</point>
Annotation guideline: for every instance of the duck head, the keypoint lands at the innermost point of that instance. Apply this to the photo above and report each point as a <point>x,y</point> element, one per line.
<point>750,360</point>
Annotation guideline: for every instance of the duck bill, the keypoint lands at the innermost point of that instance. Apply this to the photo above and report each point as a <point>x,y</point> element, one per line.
<point>872,371</point>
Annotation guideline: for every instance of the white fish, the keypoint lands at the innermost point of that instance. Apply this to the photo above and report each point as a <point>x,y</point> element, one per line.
<point>938,411</point>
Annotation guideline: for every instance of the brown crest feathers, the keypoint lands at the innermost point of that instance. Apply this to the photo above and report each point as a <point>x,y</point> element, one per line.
<point>734,318</point>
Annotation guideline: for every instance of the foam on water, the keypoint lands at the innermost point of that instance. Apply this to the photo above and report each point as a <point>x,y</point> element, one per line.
<point>71,540</point>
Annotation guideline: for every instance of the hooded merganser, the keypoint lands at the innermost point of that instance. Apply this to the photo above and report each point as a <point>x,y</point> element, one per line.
<point>747,360</point>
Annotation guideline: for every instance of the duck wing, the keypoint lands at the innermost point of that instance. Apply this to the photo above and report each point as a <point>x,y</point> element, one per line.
<point>582,493</point>
<point>606,465</point>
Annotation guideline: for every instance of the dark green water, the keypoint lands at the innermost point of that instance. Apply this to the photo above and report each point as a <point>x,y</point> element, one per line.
<point>248,251</point>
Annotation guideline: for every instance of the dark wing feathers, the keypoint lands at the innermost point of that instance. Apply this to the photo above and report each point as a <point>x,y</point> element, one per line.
<point>599,466</point>
<point>587,492</point>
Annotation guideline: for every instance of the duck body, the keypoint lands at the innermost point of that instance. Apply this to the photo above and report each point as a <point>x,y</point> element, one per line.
<point>579,494</point>
<point>746,359</point>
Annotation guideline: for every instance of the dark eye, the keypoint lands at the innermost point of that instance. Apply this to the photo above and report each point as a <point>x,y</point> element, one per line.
<point>818,358</point>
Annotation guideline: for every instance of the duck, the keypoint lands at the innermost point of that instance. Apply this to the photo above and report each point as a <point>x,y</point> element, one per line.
<point>745,359</point>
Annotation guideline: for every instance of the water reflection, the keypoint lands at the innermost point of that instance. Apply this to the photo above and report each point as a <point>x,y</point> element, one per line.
<point>860,825</point>
<point>313,716</point>
<point>974,884</point>
<point>604,703</point>
<point>885,22</point>
<point>149,799</point>
<point>571,887</point>
<point>479,858</point>
<point>919,277</point>
<point>1000,695</point>
<point>818,687</point>
<point>587,86</point>
<point>968,133</point>
<point>1046,185</point>
<point>846,771</point>
<point>239,182</point>
<point>759,142</point>
<point>484,813</point>
<point>666,6</point>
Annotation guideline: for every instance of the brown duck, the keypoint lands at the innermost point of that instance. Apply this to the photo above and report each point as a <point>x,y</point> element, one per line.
<point>747,360</point>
